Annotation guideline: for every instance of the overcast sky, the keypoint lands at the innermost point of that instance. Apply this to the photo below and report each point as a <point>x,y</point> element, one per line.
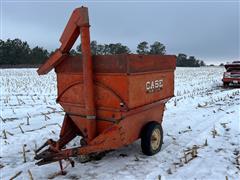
<point>207,30</point>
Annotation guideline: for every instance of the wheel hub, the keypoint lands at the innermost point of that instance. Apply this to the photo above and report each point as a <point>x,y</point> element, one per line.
<point>155,139</point>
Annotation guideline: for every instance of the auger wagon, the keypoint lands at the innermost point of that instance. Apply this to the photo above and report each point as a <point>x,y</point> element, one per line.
<point>109,100</point>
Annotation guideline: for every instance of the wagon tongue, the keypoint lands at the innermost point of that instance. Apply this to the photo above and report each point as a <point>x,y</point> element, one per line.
<point>45,158</point>
<point>44,155</point>
<point>48,155</point>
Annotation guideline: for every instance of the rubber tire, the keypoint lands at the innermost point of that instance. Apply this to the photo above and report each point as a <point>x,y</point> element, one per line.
<point>226,84</point>
<point>146,138</point>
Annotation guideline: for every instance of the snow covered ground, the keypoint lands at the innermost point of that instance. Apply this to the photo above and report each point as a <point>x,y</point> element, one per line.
<point>202,119</point>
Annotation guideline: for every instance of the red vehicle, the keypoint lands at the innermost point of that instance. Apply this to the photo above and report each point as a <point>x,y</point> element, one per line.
<point>232,74</point>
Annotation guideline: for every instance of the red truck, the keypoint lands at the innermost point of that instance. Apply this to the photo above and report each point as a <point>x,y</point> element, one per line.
<point>232,74</point>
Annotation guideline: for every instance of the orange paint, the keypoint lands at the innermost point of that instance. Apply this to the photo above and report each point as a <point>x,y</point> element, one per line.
<point>108,99</point>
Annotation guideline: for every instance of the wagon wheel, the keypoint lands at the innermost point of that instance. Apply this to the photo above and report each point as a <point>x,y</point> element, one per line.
<point>151,138</point>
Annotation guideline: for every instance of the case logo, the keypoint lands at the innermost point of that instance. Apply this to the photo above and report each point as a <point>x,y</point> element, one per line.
<point>155,85</point>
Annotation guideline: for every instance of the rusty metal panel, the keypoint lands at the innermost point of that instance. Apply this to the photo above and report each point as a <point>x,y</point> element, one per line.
<point>66,80</point>
<point>56,58</point>
<point>150,63</point>
<point>134,123</point>
<point>109,93</point>
<point>135,85</point>
<point>101,64</point>
<point>71,32</point>
<point>150,87</point>
<point>123,63</point>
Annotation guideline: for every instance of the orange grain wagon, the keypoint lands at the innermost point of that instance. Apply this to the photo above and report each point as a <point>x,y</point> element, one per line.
<point>109,100</point>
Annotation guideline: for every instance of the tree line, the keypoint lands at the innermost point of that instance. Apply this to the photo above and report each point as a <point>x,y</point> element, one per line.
<point>18,52</point>
<point>184,61</point>
<point>15,52</point>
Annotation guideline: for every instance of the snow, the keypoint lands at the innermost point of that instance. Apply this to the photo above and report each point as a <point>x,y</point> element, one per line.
<point>202,115</point>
